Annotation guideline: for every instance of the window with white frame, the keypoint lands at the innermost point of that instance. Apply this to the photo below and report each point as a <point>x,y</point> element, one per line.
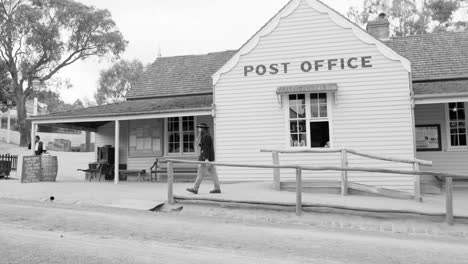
<point>181,135</point>
<point>309,120</point>
<point>457,125</point>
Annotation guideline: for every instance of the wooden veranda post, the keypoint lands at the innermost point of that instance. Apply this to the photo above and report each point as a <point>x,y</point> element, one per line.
<point>449,200</point>
<point>344,174</point>
<point>417,183</point>
<point>298,191</point>
<point>116,155</point>
<point>276,171</point>
<point>170,181</point>
<point>33,138</point>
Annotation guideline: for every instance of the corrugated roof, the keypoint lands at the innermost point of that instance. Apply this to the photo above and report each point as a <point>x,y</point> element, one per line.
<point>143,106</point>
<point>180,75</point>
<point>434,56</point>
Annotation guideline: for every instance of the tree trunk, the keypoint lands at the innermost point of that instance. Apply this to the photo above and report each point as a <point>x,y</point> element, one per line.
<point>24,126</point>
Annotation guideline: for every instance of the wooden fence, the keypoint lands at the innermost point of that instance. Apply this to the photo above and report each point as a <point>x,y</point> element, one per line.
<point>448,177</point>
<point>7,164</point>
<point>344,163</point>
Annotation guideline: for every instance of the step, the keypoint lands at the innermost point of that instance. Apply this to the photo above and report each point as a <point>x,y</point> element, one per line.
<point>321,187</point>
<point>334,187</point>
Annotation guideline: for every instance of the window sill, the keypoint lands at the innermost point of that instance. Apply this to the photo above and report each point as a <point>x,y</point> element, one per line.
<point>465,149</point>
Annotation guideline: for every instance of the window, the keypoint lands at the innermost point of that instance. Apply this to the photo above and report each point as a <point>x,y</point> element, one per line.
<point>457,125</point>
<point>181,135</point>
<point>308,120</point>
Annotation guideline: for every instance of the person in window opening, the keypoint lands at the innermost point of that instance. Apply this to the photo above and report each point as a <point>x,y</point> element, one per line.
<point>205,143</point>
<point>39,147</point>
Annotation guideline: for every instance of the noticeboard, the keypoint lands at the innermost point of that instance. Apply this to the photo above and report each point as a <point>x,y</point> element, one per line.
<point>428,138</point>
<point>32,171</point>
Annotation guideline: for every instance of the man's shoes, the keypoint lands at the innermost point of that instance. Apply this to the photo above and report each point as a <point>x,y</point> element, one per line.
<point>215,191</point>
<point>192,190</point>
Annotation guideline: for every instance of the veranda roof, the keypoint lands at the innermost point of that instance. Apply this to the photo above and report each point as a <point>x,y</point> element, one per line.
<point>136,107</point>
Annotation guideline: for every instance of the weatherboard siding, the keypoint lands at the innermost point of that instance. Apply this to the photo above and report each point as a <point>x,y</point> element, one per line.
<point>372,113</point>
<point>444,160</point>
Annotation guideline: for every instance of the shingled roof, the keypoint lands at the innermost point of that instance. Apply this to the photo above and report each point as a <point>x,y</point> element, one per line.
<point>180,75</point>
<point>434,56</point>
<point>137,107</point>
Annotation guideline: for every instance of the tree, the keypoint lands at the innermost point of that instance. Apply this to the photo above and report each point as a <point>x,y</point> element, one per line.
<point>410,17</point>
<point>5,89</point>
<point>40,37</point>
<point>115,82</point>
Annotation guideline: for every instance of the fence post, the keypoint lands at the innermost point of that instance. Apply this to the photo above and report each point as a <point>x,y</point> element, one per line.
<point>170,180</point>
<point>298,191</point>
<point>276,171</point>
<point>449,200</point>
<point>417,183</point>
<point>344,174</point>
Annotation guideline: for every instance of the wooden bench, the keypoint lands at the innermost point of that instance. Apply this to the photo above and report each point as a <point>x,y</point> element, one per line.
<point>97,170</point>
<point>123,174</point>
<point>181,173</point>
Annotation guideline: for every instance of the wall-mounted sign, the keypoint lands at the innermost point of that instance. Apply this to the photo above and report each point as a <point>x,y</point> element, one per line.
<point>428,138</point>
<point>309,66</point>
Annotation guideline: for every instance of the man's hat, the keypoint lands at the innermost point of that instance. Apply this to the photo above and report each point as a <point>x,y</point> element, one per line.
<point>202,125</point>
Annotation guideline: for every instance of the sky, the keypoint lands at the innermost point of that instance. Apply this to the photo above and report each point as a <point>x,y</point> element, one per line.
<point>176,27</point>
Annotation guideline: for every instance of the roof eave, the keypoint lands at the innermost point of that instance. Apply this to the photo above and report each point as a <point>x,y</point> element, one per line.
<point>118,116</point>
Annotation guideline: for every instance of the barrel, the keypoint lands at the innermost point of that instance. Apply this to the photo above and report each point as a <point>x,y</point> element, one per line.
<point>49,166</point>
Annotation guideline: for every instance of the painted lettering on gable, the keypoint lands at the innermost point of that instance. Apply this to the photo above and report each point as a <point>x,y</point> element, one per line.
<point>309,66</point>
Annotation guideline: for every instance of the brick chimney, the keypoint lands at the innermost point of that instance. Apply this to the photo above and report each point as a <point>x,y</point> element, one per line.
<point>379,28</point>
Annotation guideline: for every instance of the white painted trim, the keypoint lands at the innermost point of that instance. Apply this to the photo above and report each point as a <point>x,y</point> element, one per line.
<point>121,118</point>
<point>447,128</point>
<point>359,32</point>
<point>440,100</point>
<point>308,118</point>
<point>287,138</point>
<point>330,109</point>
<point>252,42</point>
<point>166,139</point>
<point>321,8</point>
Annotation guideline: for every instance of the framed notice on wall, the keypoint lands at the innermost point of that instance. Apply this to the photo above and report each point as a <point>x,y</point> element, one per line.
<point>144,138</point>
<point>428,138</point>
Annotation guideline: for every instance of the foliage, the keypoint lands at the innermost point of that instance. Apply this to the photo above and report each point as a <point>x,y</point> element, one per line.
<point>410,17</point>
<point>115,82</point>
<point>40,37</point>
<point>6,92</point>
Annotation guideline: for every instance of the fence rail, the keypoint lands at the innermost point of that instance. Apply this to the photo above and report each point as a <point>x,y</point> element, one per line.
<point>299,169</point>
<point>344,163</point>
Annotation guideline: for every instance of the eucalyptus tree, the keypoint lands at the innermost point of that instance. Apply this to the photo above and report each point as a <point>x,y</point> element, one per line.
<point>412,17</point>
<point>40,37</point>
<point>116,81</point>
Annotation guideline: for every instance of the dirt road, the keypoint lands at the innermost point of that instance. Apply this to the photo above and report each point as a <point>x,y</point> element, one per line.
<point>34,232</point>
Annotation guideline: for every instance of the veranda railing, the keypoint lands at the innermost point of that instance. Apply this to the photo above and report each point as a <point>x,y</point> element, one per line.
<point>448,177</point>
<point>344,163</point>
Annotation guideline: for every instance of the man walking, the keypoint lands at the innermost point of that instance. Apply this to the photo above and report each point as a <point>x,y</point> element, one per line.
<point>205,142</point>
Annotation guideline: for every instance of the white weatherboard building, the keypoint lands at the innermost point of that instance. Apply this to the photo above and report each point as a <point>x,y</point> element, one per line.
<point>309,78</point>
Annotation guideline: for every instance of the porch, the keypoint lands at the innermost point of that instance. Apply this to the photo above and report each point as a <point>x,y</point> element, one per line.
<point>440,114</point>
<point>130,136</point>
